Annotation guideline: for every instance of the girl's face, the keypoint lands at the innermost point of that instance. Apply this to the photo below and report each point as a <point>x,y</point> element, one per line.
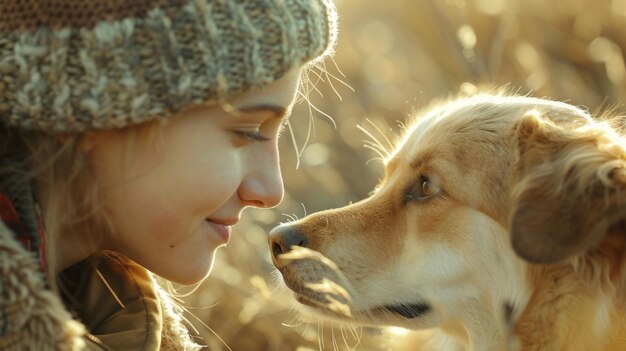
<point>172,196</point>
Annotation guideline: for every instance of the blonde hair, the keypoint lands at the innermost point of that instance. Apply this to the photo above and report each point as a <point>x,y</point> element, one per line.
<point>61,180</point>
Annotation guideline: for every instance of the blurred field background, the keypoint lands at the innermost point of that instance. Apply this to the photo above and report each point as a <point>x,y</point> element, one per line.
<point>396,56</point>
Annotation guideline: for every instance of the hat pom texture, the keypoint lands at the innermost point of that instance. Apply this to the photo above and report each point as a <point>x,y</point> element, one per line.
<point>71,66</point>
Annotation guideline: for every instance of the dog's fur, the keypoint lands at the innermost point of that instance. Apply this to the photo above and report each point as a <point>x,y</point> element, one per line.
<point>522,247</point>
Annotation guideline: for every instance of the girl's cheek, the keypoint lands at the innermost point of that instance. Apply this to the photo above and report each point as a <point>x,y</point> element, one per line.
<point>161,226</point>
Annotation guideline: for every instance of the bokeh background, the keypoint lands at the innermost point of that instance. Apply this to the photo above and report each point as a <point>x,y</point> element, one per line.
<point>393,58</point>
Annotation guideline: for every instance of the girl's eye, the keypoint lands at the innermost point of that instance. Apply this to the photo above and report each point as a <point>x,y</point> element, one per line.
<point>251,136</point>
<point>423,190</point>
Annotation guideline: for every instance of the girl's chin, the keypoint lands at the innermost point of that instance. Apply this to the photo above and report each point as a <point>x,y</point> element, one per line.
<point>185,275</point>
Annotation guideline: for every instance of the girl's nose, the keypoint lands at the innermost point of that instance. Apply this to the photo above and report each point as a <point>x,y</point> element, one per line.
<point>263,187</point>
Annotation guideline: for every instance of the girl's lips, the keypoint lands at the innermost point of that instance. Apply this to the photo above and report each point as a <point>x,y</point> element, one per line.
<point>222,230</point>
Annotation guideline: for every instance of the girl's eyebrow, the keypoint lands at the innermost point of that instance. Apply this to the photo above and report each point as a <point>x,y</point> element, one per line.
<point>277,110</point>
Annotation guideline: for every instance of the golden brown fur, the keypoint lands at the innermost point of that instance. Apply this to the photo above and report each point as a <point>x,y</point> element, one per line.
<point>500,221</point>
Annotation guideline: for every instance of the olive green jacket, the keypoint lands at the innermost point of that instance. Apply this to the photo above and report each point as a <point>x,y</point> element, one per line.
<point>116,306</point>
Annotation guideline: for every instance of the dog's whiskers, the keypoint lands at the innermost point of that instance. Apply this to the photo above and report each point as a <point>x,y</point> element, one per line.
<point>332,337</point>
<point>303,208</point>
<point>374,144</point>
<point>353,333</point>
<point>343,336</point>
<point>308,324</point>
<point>320,334</point>
<point>382,149</point>
<point>291,217</point>
<point>389,143</point>
<point>370,145</point>
<point>357,334</point>
<point>292,323</point>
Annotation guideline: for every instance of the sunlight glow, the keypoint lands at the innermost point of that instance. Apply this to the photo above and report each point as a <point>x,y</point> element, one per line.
<point>397,331</point>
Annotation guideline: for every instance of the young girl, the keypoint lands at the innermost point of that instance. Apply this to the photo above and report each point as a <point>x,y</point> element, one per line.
<point>132,136</point>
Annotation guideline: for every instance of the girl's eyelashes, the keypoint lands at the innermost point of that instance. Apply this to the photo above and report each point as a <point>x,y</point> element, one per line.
<point>253,136</point>
<point>259,132</point>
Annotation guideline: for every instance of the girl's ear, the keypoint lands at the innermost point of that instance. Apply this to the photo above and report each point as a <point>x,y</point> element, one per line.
<point>569,188</point>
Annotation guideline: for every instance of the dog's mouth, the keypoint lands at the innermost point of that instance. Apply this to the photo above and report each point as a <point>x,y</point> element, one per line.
<point>339,305</point>
<point>329,307</point>
<point>309,300</point>
<point>406,310</point>
<point>409,311</point>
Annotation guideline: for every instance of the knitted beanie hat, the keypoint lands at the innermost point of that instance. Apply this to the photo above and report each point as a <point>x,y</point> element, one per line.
<point>75,65</point>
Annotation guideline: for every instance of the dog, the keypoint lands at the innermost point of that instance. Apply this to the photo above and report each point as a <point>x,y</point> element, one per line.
<point>499,222</point>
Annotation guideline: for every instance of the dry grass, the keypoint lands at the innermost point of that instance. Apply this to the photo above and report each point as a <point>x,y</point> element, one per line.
<point>398,56</point>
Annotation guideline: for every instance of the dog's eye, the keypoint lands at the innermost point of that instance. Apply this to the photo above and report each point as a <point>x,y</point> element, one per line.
<point>427,188</point>
<point>423,190</point>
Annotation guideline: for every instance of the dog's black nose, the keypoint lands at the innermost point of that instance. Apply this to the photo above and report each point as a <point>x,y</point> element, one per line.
<point>282,238</point>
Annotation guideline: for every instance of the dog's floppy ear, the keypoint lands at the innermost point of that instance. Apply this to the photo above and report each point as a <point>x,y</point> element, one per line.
<point>569,187</point>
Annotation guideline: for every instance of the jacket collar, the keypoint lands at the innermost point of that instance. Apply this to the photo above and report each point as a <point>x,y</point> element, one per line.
<point>130,313</point>
<point>116,300</point>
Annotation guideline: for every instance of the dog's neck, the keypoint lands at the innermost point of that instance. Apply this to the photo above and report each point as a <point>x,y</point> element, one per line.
<point>486,322</point>
<point>481,335</point>
<point>578,305</point>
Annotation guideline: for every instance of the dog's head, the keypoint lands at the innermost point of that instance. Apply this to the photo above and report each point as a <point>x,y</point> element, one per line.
<point>432,245</point>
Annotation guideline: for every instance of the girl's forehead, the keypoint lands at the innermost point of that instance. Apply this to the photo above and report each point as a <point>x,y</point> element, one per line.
<point>278,93</point>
